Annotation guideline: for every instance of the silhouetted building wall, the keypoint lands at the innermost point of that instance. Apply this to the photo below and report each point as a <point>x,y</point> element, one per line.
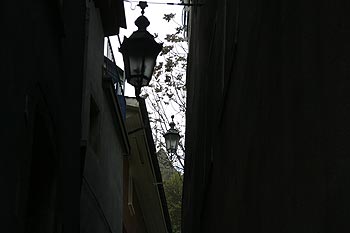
<point>267,137</point>
<point>44,69</point>
<point>104,137</point>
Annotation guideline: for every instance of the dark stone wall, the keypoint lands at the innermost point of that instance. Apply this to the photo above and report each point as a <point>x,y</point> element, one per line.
<point>42,63</point>
<point>268,93</point>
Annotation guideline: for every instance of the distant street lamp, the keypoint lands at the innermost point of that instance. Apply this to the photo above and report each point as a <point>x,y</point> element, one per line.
<point>140,53</point>
<point>172,138</point>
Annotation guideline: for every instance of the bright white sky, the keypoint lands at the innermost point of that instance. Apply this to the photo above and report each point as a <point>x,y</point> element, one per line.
<point>154,13</point>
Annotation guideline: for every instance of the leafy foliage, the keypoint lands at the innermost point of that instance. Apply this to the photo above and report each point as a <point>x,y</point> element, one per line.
<point>169,17</point>
<point>173,192</point>
<point>172,183</point>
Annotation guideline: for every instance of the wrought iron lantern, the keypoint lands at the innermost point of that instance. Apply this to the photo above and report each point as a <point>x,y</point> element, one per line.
<point>172,138</point>
<point>140,53</point>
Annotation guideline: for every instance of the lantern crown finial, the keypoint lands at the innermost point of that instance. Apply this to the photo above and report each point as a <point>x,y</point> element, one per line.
<point>142,5</point>
<point>172,124</point>
<point>142,23</point>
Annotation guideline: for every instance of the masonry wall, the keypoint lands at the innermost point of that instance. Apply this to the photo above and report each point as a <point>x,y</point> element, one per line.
<point>268,91</point>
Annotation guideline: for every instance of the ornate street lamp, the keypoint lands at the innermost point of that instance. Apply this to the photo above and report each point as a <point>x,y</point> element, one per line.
<point>140,52</point>
<point>172,138</point>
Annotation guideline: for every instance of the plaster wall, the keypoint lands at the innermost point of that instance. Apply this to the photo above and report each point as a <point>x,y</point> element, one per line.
<point>133,222</point>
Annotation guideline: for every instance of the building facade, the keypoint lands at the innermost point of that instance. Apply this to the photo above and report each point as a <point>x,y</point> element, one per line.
<point>145,206</point>
<point>53,54</point>
<point>267,121</point>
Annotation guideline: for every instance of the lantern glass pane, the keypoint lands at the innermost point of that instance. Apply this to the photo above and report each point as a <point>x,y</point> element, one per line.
<point>149,66</point>
<point>176,141</point>
<point>173,144</point>
<point>172,141</point>
<point>167,144</point>
<point>135,65</point>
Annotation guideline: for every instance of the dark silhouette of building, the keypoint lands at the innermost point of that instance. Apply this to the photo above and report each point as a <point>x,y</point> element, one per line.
<point>267,137</point>
<point>52,53</point>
